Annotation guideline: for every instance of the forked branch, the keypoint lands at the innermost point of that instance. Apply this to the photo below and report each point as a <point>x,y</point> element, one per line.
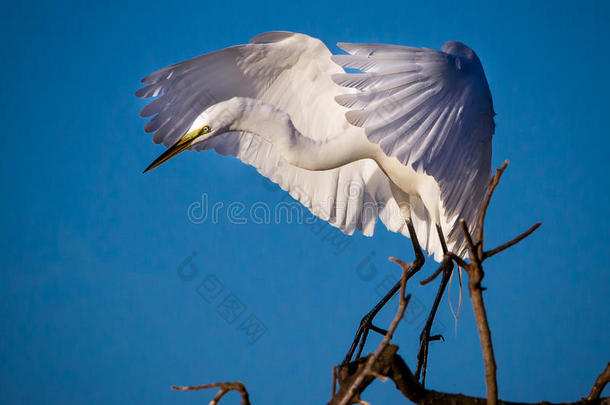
<point>475,272</point>
<point>225,387</point>
<point>391,366</point>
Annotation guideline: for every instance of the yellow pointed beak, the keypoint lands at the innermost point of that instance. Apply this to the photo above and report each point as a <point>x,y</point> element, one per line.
<point>180,146</point>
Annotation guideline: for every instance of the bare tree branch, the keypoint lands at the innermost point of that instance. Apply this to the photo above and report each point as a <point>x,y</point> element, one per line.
<point>476,296</point>
<point>471,246</point>
<point>492,186</point>
<point>436,273</point>
<point>512,242</point>
<point>458,260</point>
<point>600,383</point>
<point>475,272</point>
<point>392,366</point>
<point>225,387</point>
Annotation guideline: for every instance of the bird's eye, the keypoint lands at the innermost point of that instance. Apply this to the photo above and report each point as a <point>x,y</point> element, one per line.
<point>204,130</point>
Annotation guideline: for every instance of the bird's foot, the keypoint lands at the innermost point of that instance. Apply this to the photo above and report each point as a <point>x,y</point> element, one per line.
<point>422,355</point>
<point>425,338</point>
<point>366,325</point>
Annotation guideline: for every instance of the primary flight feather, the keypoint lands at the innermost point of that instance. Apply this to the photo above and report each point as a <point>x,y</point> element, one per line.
<point>408,140</point>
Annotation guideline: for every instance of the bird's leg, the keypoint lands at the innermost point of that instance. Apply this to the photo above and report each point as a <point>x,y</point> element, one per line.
<point>366,324</point>
<point>446,268</point>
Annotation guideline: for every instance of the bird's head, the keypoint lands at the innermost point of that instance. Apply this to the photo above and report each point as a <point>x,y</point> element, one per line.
<point>186,141</point>
<point>217,119</point>
<point>214,121</point>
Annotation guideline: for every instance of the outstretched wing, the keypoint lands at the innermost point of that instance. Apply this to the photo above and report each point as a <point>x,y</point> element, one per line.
<point>431,110</point>
<point>290,71</point>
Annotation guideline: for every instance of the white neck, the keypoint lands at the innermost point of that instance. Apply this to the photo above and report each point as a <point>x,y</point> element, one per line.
<point>275,126</point>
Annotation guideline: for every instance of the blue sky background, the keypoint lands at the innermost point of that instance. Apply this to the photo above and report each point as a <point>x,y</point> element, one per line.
<point>93,308</point>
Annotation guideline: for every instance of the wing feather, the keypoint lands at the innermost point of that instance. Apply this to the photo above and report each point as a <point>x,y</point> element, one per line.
<point>429,109</point>
<point>273,68</point>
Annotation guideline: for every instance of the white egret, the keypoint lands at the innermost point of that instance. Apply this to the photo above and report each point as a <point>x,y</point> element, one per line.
<point>413,129</point>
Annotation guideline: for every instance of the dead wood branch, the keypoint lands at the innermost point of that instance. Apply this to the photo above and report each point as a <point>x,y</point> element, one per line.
<point>600,384</point>
<point>390,365</point>
<point>475,272</point>
<point>225,387</point>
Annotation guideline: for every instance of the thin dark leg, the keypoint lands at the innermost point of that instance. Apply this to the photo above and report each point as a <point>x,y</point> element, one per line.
<point>366,325</point>
<point>424,339</point>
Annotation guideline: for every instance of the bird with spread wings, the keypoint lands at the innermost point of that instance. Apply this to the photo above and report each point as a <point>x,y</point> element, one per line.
<point>406,138</point>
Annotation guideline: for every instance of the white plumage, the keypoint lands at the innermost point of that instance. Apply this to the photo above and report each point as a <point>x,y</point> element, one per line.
<point>410,137</point>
